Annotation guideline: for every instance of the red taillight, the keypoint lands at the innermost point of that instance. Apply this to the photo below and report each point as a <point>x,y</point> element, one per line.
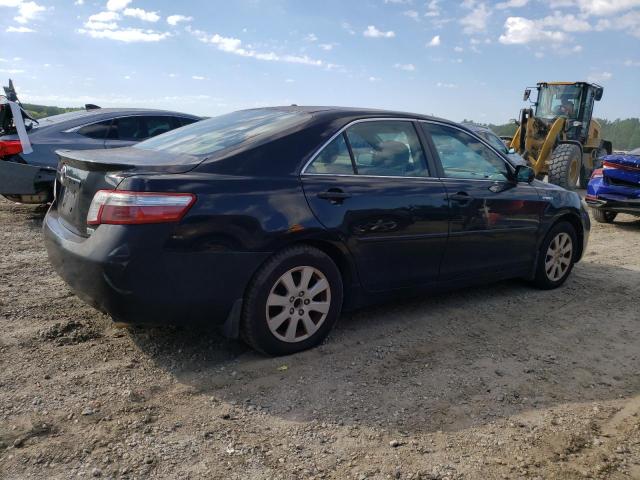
<point>129,208</point>
<point>620,166</point>
<point>597,173</point>
<point>10,147</point>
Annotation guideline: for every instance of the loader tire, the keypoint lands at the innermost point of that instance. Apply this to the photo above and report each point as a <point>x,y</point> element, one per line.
<point>565,166</point>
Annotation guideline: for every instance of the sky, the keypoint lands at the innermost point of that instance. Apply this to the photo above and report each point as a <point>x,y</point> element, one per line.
<point>457,60</point>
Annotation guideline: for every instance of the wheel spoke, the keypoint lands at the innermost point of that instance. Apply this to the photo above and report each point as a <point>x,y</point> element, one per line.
<point>320,286</point>
<point>548,264</point>
<point>276,300</point>
<point>278,320</point>
<point>289,284</point>
<point>322,307</point>
<point>309,326</point>
<point>307,274</point>
<point>291,329</point>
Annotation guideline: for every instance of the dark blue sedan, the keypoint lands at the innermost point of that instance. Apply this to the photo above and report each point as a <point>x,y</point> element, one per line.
<point>272,221</point>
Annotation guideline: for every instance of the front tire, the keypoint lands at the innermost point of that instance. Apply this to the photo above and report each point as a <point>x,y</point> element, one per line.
<point>292,302</point>
<point>556,257</point>
<point>603,216</point>
<point>565,166</point>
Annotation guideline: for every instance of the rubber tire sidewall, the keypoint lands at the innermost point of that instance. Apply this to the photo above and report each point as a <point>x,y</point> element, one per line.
<point>254,328</point>
<point>600,215</point>
<point>559,165</point>
<point>541,280</point>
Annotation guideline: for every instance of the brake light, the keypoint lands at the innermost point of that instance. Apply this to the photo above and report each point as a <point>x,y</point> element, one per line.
<point>620,166</point>
<point>10,147</point>
<point>130,208</point>
<point>597,173</point>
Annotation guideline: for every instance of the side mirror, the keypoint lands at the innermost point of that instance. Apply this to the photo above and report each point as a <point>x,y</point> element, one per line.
<point>527,94</point>
<point>512,151</point>
<point>598,94</point>
<point>525,174</point>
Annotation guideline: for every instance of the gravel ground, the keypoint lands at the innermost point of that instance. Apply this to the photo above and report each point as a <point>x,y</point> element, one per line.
<point>499,382</point>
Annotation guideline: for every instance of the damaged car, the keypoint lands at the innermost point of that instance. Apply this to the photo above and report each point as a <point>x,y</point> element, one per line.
<point>27,145</point>
<point>615,188</point>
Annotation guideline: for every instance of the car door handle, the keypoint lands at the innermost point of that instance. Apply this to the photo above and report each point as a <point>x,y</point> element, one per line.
<point>335,195</point>
<point>461,197</point>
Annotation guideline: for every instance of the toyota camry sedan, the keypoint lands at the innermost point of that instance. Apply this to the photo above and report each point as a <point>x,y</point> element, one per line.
<point>272,221</point>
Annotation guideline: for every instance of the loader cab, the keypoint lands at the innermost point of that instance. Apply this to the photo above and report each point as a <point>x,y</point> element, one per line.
<point>571,100</point>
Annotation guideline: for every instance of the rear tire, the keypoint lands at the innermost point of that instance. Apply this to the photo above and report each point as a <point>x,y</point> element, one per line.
<point>565,166</point>
<point>603,216</point>
<point>556,257</point>
<point>292,302</point>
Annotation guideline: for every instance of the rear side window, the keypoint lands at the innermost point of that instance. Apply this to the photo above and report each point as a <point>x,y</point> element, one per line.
<point>387,148</point>
<point>128,129</point>
<point>182,121</point>
<point>158,125</point>
<point>99,131</point>
<point>333,159</point>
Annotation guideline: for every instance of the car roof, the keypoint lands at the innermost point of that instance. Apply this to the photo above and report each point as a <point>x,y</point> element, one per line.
<point>79,117</point>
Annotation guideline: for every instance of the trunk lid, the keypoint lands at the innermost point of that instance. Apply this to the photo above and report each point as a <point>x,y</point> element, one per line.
<point>81,173</point>
<point>622,170</point>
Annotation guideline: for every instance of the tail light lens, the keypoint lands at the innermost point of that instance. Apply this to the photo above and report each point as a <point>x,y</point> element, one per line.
<point>597,173</point>
<point>131,208</point>
<point>620,166</point>
<point>10,147</point>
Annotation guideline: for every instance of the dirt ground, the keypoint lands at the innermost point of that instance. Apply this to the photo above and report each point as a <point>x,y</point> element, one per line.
<point>501,381</point>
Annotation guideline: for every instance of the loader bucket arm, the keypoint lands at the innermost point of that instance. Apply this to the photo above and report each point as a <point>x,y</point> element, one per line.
<point>540,164</point>
<point>515,141</point>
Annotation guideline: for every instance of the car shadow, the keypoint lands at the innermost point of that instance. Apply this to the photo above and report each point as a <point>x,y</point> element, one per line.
<point>441,362</point>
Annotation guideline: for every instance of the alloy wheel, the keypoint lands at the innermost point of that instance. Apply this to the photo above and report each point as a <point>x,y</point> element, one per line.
<point>559,256</point>
<point>298,304</point>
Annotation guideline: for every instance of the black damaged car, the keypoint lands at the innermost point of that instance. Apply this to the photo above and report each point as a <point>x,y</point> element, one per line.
<point>272,221</point>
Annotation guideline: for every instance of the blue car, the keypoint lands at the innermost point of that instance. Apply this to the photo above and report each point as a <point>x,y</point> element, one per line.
<point>615,188</point>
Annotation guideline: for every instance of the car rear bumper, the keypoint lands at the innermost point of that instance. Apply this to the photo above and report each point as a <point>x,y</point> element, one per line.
<point>127,272</point>
<point>621,199</point>
<point>630,206</point>
<point>24,179</point>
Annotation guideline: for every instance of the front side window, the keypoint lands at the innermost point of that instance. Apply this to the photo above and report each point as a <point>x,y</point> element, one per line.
<point>387,148</point>
<point>463,156</point>
<point>333,159</point>
<point>98,131</point>
<point>493,140</point>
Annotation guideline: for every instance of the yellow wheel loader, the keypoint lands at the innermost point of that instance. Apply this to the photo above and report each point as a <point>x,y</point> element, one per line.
<point>559,137</point>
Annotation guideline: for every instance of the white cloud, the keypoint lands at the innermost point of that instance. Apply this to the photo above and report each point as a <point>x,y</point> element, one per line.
<point>346,26</point>
<point>198,77</point>
<point>235,47</point>
<point>311,37</point>
<point>374,79</point>
<point>399,2</point>
<point>115,5</point>
<point>289,80</point>
<point>373,32</point>
<point>127,35</point>
<point>520,30</point>
<point>141,14</point>
<point>446,85</point>
<point>412,14</point>
<point>629,22</point>
<point>21,29</point>
<point>327,46</point>
<point>568,23</point>
<point>27,11</point>
<point>433,10</point>
<point>458,49</point>
<point>476,21</point>
<point>434,42</point>
<point>11,71</point>
<point>606,7</point>
<point>407,67</point>
<point>10,3</point>
<point>104,17</point>
<point>79,2</point>
<point>631,63</point>
<point>599,77</point>
<point>175,19</point>
<point>511,4</point>
<point>100,25</point>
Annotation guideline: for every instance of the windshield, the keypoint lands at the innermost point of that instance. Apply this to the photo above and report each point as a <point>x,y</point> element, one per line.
<point>494,141</point>
<point>209,136</point>
<point>557,100</point>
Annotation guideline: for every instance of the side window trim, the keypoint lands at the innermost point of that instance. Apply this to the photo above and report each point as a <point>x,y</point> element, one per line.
<point>426,152</point>
<point>427,134</point>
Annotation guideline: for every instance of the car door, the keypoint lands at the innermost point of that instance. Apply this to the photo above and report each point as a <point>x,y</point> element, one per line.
<point>493,219</point>
<point>372,186</point>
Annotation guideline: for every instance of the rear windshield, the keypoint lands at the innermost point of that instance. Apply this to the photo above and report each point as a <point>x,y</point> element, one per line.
<point>209,136</point>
